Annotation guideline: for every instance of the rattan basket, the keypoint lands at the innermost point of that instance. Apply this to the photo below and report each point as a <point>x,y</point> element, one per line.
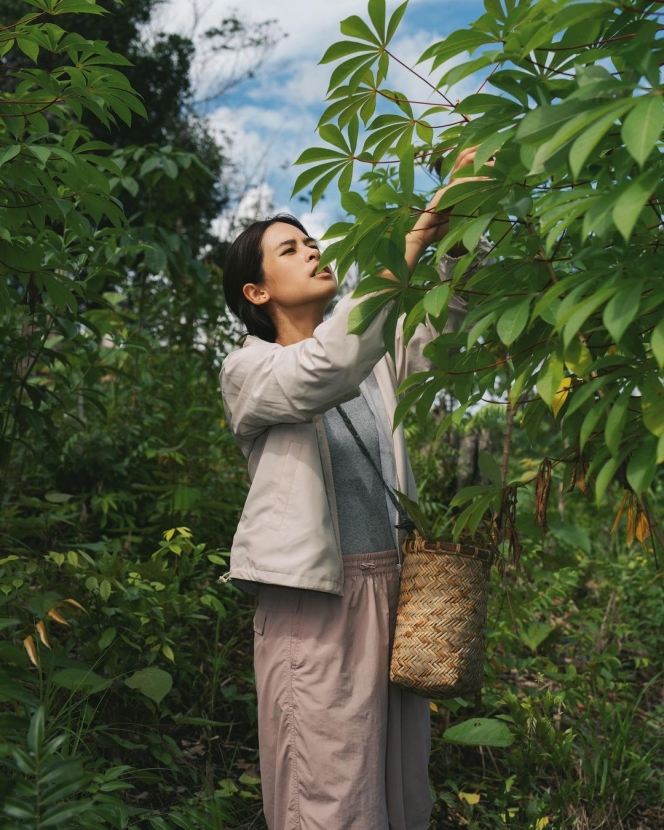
<point>441,618</point>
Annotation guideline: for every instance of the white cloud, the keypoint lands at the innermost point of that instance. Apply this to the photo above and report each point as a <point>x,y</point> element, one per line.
<point>272,117</point>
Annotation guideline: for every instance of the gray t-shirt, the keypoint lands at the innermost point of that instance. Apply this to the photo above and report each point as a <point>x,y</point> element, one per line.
<point>364,523</point>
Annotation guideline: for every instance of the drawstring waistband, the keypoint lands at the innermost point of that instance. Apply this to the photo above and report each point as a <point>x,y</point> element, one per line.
<point>368,564</point>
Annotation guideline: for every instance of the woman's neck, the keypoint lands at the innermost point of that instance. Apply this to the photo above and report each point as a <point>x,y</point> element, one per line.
<point>295,327</point>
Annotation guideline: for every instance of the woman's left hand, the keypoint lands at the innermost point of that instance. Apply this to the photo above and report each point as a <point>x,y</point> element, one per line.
<point>432,225</point>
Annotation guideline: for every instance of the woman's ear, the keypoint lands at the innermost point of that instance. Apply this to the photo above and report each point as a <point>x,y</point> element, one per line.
<point>256,294</point>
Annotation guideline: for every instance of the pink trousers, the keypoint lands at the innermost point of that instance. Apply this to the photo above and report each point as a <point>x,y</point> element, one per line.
<point>341,748</point>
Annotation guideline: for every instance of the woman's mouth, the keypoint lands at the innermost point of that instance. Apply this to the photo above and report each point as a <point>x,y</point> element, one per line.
<point>324,273</point>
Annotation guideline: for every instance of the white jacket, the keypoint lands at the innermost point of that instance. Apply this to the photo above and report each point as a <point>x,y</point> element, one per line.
<point>274,397</point>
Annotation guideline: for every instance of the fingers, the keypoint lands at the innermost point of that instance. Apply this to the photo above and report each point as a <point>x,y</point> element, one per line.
<point>467,157</point>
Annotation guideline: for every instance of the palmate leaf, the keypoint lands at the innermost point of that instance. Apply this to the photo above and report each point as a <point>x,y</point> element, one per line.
<point>313,173</point>
<point>608,114</point>
<point>642,128</point>
<point>342,49</point>
<point>463,40</point>
<point>349,67</point>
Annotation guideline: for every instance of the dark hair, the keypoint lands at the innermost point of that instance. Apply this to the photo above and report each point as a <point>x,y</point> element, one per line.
<point>244,264</point>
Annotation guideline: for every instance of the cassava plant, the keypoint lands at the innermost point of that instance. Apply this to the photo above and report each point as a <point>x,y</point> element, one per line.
<point>566,318</point>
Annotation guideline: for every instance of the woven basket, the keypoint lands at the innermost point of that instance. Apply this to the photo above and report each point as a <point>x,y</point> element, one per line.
<point>439,639</point>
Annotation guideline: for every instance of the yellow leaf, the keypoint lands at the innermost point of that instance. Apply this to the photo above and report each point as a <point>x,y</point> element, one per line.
<point>40,628</point>
<point>169,534</point>
<point>184,531</point>
<point>57,616</point>
<point>561,395</point>
<point>471,798</point>
<point>433,706</point>
<point>29,646</point>
<point>542,823</point>
<point>642,529</point>
<point>75,604</point>
<point>168,652</point>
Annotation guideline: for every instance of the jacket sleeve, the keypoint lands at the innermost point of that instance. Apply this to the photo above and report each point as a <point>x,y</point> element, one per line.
<point>290,384</point>
<point>409,357</point>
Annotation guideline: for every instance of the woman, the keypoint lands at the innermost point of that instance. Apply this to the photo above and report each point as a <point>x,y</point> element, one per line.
<point>341,748</point>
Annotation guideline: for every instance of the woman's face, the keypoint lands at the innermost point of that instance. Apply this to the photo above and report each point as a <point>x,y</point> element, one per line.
<point>290,265</point>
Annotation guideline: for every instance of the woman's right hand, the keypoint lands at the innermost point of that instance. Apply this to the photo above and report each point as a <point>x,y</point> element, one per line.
<point>432,225</point>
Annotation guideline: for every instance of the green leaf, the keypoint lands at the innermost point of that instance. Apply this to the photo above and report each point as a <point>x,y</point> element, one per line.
<point>60,293</point>
<point>8,153</point>
<point>643,466</point>
<point>57,498</point>
<point>152,682</point>
<point>435,301</point>
<point>107,638</point>
<point>341,49</point>
<point>583,146</point>
<point>622,309</point>
<point>643,127</point>
<point>513,321</point>
<point>105,590</point>
<point>377,14</point>
<point>311,174</point>
<point>549,379</point>
<point>652,404</point>
<point>606,114</point>
<point>605,477</point>
<point>407,175</point>
<point>539,124</point>
<point>320,154</point>
<point>578,358</point>
<point>354,26</point>
<point>462,40</point>
<point>29,47</point>
<point>480,732</point>
<point>657,343</point>
<point>395,19</point>
<point>615,421</point>
<point>363,314</point>
<point>489,466</point>
<point>631,202</point>
<point>37,731</point>
<point>333,135</point>
<point>535,634</point>
<point>80,680</point>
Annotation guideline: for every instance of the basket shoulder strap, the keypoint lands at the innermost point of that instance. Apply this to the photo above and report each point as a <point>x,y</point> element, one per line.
<point>404,520</point>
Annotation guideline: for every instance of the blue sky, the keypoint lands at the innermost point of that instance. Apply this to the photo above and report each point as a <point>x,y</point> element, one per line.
<point>271,118</point>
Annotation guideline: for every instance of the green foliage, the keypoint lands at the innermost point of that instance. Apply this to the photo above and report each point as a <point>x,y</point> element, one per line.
<point>574,666</point>
<point>111,428</point>
<point>566,315</point>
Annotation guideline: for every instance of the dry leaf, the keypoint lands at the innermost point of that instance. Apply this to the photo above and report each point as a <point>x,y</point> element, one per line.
<point>54,614</point>
<point>74,603</point>
<point>433,706</point>
<point>542,490</point>
<point>631,524</point>
<point>642,527</point>
<point>41,630</point>
<point>29,646</point>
